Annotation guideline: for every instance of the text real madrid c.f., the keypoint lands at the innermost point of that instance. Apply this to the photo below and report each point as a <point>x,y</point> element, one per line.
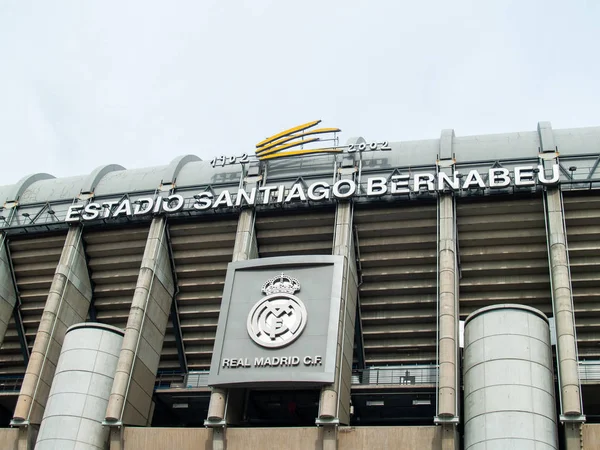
<point>495,178</point>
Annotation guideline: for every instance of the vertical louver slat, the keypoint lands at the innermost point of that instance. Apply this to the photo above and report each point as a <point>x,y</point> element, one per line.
<point>201,252</point>
<point>398,292</point>
<point>287,234</point>
<point>503,254</point>
<point>582,217</point>
<point>34,261</point>
<point>114,259</point>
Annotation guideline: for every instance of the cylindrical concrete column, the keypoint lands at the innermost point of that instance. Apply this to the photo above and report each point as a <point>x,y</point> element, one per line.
<point>566,343</point>
<point>80,390</point>
<point>448,323</point>
<point>509,380</point>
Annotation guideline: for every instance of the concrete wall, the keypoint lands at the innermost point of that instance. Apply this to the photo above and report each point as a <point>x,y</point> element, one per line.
<point>349,438</point>
<point>164,438</point>
<point>9,438</point>
<point>405,438</point>
<point>591,436</point>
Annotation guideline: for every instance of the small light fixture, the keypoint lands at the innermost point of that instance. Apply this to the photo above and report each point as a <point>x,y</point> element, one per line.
<point>180,405</point>
<point>421,402</point>
<point>375,403</point>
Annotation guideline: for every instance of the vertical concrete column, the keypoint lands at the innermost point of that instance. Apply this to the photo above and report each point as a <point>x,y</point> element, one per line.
<point>562,299</point>
<point>566,345</point>
<point>245,248</point>
<point>448,320</point>
<point>334,402</point>
<point>130,401</point>
<point>8,296</point>
<point>448,387</point>
<point>67,304</point>
<point>449,437</point>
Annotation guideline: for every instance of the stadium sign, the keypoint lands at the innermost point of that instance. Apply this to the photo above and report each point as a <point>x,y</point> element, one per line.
<point>400,184</point>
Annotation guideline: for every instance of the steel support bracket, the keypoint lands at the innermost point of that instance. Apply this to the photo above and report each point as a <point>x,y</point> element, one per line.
<point>446,420</point>
<point>572,419</point>
<point>215,423</point>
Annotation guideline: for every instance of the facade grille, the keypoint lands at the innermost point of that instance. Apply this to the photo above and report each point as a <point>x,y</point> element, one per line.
<point>582,217</point>
<point>397,249</point>
<point>503,254</point>
<point>114,260</point>
<point>34,261</point>
<point>201,252</point>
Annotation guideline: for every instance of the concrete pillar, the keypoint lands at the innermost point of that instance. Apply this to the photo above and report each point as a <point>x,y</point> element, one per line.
<point>334,402</point>
<point>562,299</point>
<point>130,401</point>
<point>115,439</point>
<point>448,319</point>
<point>27,437</point>
<point>224,406</point>
<point>573,436</point>
<point>329,438</point>
<point>67,304</point>
<point>449,437</point>
<point>563,307</point>
<point>8,296</point>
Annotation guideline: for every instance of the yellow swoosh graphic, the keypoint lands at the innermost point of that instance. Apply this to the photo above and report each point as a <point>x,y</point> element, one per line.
<point>274,146</point>
<point>288,132</point>
<point>302,152</point>
<point>296,136</point>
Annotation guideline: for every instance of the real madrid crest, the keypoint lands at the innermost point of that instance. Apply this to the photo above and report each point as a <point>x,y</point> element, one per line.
<point>279,318</point>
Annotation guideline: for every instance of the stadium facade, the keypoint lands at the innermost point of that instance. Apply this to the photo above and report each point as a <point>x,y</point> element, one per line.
<point>435,294</point>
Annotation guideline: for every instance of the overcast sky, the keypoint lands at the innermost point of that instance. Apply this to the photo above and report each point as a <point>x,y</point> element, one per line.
<point>137,83</point>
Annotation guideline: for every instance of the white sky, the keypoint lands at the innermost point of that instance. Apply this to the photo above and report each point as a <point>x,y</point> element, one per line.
<point>137,83</point>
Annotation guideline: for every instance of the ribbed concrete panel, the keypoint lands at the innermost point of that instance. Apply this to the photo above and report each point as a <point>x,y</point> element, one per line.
<point>503,254</point>
<point>34,261</point>
<point>398,293</point>
<point>582,217</point>
<point>201,251</point>
<point>308,232</point>
<point>114,259</point>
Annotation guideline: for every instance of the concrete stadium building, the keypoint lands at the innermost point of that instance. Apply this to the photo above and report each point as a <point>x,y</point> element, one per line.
<point>435,294</point>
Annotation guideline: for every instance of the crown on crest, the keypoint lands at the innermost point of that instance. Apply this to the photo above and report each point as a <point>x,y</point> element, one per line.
<point>281,283</point>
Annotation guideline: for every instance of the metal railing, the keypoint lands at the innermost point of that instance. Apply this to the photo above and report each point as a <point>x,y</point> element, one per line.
<point>169,379</point>
<point>196,379</point>
<point>400,375</point>
<point>589,371</point>
<point>11,383</point>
